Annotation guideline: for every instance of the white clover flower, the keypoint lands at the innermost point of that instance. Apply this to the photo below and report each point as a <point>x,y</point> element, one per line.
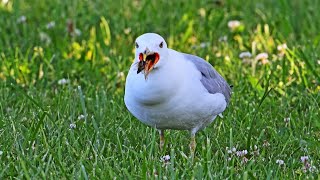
<point>223,39</point>
<point>234,149</point>
<point>241,153</point>
<point>282,47</point>
<point>245,160</point>
<point>44,37</point>
<point>63,81</point>
<point>255,151</point>
<point>308,167</point>
<point>127,30</point>
<point>120,74</point>
<point>204,44</point>
<point>202,12</point>
<point>5,1</point>
<point>33,146</point>
<point>1,152</point>
<point>77,32</point>
<point>265,143</point>
<point>155,173</point>
<point>304,159</point>
<point>304,169</point>
<point>50,25</point>
<point>228,150</point>
<point>262,56</point>
<point>166,158</point>
<point>81,117</point>
<point>244,55</point>
<point>286,120</point>
<point>280,162</point>
<point>72,126</point>
<point>22,19</point>
<point>234,24</point>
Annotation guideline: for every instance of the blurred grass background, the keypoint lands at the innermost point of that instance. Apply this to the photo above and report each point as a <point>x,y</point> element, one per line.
<point>90,45</point>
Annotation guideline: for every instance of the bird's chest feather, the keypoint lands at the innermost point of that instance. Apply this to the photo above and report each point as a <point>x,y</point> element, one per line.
<point>164,100</point>
<point>156,89</point>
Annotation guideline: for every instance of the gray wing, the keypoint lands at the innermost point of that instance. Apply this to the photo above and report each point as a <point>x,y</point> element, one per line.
<point>211,79</point>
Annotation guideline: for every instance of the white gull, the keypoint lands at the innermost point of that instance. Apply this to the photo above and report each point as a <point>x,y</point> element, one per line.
<point>167,89</point>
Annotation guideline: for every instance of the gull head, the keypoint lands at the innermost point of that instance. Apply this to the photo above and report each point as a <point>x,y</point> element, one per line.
<point>151,52</point>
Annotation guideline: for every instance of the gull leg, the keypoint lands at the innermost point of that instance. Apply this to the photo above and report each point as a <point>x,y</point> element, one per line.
<point>192,144</point>
<point>161,132</point>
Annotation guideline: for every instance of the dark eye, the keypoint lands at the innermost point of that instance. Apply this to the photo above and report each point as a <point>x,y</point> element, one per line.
<point>137,45</point>
<point>161,45</point>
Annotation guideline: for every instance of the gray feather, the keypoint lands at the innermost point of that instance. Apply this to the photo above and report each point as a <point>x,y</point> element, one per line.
<point>211,79</point>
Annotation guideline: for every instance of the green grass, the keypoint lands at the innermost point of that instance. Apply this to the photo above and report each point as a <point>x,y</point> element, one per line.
<point>36,111</point>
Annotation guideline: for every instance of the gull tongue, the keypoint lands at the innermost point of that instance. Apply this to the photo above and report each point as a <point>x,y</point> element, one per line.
<point>147,68</point>
<point>151,60</point>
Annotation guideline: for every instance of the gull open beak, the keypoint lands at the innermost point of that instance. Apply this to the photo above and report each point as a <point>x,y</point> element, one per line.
<point>147,62</point>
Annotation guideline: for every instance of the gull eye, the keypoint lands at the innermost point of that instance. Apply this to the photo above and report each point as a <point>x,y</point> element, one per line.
<point>161,45</point>
<point>137,45</point>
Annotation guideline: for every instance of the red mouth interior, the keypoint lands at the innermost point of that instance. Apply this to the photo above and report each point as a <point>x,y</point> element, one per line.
<point>141,57</point>
<point>151,60</point>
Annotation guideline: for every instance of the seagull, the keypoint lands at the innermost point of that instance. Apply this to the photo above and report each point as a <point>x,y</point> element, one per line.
<point>167,89</point>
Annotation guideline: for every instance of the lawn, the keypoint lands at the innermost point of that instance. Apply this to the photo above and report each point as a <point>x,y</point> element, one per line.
<point>62,73</point>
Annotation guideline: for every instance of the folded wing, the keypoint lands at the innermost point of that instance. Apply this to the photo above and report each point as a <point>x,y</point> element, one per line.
<point>211,79</point>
